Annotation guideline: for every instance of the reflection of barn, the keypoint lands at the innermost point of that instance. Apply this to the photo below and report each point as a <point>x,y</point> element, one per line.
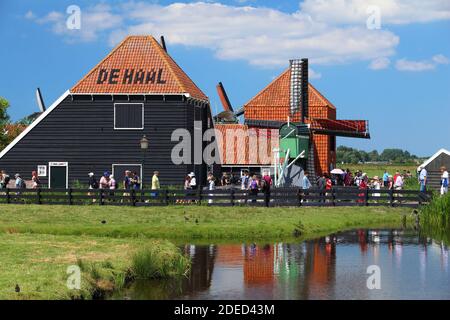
<point>203,260</point>
<point>433,166</point>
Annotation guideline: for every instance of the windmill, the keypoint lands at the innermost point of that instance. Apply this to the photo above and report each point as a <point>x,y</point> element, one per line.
<point>228,115</point>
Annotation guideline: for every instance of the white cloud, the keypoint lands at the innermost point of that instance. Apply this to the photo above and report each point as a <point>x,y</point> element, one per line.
<point>29,15</point>
<point>94,20</point>
<point>392,11</point>
<point>423,65</point>
<point>379,63</point>
<point>327,32</point>
<point>441,59</point>
<point>409,65</point>
<point>313,74</point>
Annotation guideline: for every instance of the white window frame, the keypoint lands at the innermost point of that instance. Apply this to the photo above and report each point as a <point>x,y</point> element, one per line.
<point>127,164</point>
<point>42,167</point>
<point>58,164</point>
<point>142,106</point>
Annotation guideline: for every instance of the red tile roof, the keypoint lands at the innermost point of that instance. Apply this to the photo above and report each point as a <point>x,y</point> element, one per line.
<point>276,94</point>
<point>152,70</point>
<point>254,148</point>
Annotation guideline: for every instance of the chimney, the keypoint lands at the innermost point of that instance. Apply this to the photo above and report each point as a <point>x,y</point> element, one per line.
<point>163,44</point>
<point>299,87</point>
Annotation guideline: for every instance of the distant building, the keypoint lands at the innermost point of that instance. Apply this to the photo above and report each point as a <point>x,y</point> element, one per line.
<point>433,167</point>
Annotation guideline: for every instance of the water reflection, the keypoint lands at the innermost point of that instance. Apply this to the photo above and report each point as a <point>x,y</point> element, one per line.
<point>332,267</point>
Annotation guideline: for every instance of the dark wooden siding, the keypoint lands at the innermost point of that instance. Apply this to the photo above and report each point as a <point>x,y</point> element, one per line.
<point>80,131</point>
<point>434,170</point>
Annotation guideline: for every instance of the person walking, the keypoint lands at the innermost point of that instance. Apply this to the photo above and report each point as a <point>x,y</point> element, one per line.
<point>386,179</point>
<point>4,180</point>
<point>254,188</point>
<point>363,185</point>
<point>306,184</point>
<point>321,184</point>
<point>112,183</point>
<point>244,185</point>
<point>104,181</point>
<point>211,186</point>
<point>423,179</point>
<point>377,185</point>
<point>155,183</point>
<point>193,182</point>
<point>36,183</point>
<point>444,181</point>
<point>398,185</point>
<point>20,183</point>
<point>266,183</point>
<point>92,185</point>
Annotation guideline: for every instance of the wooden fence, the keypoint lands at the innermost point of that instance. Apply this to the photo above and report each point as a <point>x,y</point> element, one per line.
<point>278,197</point>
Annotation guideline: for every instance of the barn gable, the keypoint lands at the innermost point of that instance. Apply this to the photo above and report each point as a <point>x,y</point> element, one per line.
<point>138,65</point>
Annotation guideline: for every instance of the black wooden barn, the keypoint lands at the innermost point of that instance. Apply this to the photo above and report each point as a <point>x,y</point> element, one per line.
<point>97,125</point>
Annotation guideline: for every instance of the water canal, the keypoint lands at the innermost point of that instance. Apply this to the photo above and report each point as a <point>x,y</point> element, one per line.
<point>332,267</point>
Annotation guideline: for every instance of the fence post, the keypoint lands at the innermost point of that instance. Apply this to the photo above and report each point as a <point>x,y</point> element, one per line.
<point>233,197</point>
<point>133,197</point>
<point>300,197</point>
<point>199,195</point>
<point>8,196</point>
<point>391,197</point>
<point>366,197</point>
<point>38,196</point>
<point>333,196</point>
<point>100,194</point>
<point>70,196</point>
<point>166,197</point>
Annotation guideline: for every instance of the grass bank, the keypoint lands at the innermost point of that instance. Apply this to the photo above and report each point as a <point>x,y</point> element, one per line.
<point>435,218</point>
<point>34,266</point>
<point>193,223</point>
<point>113,245</point>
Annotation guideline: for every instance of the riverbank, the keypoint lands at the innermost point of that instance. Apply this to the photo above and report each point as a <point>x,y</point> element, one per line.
<point>38,266</point>
<point>38,242</point>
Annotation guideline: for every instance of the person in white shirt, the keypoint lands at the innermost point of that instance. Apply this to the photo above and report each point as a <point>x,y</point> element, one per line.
<point>444,181</point>
<point>423,179</point>
<point>398,185</point>
<point>376,185</point>
<point>193,182</point>
<point>211,186</point>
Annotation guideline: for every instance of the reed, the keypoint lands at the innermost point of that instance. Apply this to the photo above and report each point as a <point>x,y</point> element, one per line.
<point>152,263</point>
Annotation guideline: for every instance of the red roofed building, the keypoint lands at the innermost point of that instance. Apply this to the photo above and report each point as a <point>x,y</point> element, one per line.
<point>270,108</point>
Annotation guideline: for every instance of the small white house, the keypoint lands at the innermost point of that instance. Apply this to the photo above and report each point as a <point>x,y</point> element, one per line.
<point>433,166</point>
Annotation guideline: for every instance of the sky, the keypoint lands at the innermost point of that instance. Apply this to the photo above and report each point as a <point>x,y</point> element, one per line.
<point>386,61</point>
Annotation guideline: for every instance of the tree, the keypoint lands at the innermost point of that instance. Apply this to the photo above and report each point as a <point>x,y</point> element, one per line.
<point>4,120</point>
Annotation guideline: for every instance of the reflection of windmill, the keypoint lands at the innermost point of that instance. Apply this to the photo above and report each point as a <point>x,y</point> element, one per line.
<point>228,115</point>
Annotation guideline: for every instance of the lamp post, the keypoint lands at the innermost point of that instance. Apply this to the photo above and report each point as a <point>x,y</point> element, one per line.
<point>144,146</point>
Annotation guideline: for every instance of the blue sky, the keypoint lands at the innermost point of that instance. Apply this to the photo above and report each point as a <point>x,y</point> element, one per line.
<point>397,76</point>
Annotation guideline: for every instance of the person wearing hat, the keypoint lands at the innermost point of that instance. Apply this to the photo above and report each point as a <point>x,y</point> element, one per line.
<point>104,180</point>
<point>193,182</point>
<point>20,183</point>
<point>377,185</point>
<point>92,181</point>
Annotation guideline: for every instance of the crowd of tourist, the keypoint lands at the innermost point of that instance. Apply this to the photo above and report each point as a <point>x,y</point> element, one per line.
<point>251,182</point>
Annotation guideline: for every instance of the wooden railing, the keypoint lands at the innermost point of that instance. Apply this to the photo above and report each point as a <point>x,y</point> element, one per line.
<point>283,197</point>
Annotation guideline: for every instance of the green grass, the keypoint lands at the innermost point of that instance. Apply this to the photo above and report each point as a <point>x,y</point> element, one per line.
<point>190,223</point>
<point>39,242</point>
<point>435,218</point>
<point>378,169</point>
<point>37,263</point>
